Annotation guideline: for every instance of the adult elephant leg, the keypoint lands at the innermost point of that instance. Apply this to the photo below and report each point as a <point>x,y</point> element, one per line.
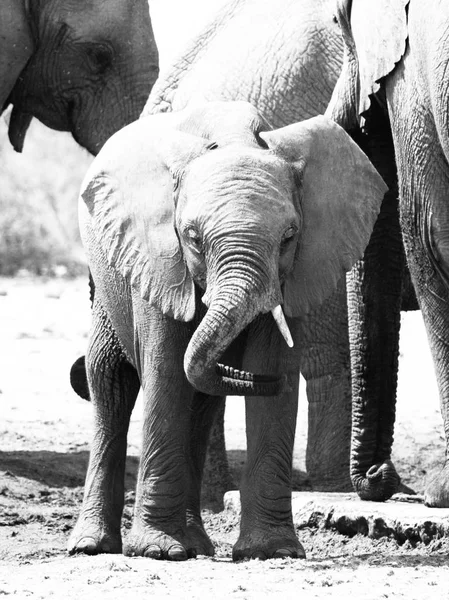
<point>423,168</point>
<point>374,304</point>
<point>114,386</point>
<point>325,365</point>
<point>429,264</point>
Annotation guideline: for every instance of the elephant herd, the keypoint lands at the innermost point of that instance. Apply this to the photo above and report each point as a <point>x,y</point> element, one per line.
<point>219,219</point>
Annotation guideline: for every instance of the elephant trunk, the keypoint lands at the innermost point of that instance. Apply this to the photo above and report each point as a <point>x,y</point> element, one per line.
<point>374,292</point>
<point>231,310</point>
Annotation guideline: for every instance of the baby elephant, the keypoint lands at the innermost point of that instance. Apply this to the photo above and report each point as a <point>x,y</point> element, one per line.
<point>202,231</point>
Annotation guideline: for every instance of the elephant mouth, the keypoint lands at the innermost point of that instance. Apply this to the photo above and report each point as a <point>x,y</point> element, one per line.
<point>250,383</point>
<point>25,106</point>
<point>18,127</point>
<point>220,375</point>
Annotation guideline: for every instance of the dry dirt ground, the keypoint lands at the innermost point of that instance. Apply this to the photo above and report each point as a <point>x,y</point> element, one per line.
<point>44,434</point>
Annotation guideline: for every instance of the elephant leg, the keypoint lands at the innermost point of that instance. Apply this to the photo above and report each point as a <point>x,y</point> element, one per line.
<point>431,280</point>
<point>325,365</point>
<point>216,479</point>
<point>164,482</point>
<point>114,386</point>
<point>207,413</point>
<point>424,209</point>
<point>266,527</point>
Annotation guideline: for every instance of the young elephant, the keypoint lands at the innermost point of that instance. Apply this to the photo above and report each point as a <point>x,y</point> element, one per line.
<point>197,226</point>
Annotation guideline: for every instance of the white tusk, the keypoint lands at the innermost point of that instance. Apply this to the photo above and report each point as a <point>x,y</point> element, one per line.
<point>278,316</point>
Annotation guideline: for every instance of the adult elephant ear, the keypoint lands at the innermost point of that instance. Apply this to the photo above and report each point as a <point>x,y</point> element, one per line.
<point>375,36</point>
<point>16,45</point>
<point>340,195</point>
<point>128,201</point>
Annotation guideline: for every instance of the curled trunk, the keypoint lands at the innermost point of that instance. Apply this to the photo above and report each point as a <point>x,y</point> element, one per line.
<point>374,288</point>
<point>231,310</point>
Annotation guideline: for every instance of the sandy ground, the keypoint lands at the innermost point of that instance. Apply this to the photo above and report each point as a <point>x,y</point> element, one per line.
<point>44,435</point>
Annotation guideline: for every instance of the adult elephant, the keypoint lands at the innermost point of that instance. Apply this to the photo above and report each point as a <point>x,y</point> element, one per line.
<point>84,67</point>
<point>240,222</point>
<point>284,58</point>
<point>393,97</point>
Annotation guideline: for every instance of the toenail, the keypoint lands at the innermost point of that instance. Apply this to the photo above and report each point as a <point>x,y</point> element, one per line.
<point>259,555</point>
<point>283,553</point>
<point>153,552</point>
<point>87,545</point>
<point>177,553</point>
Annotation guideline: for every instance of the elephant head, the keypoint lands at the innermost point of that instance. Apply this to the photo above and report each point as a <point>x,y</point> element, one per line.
<point>86,67</point>
<point>202,201</point>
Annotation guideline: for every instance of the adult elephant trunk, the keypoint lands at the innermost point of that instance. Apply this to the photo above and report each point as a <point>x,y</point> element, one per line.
<point>233,308</point>
<point>374,287</point>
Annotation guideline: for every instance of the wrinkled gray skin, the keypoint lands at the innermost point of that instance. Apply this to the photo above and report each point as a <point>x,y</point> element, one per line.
<point>197,224</point>
<point>405,45</point>
<point>284,57</point>
<point>84,66</point>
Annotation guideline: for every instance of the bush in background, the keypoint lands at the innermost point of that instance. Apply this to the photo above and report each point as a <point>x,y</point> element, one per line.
<point>39,203</point>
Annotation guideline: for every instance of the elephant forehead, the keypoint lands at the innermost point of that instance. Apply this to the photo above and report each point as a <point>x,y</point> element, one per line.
<point>251,177</point>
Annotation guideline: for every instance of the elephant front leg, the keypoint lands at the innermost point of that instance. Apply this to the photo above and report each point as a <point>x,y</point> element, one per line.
<point>114,386</point>
<point>424,220</point>
<point>266,527</point>
<point>160,529</point>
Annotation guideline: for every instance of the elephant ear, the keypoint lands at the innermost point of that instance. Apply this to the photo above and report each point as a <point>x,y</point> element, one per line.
<point>16,45</point>
<point>375,36</point>
<point>340,196</point>
<point>129,193</point>
<point>379,31</point>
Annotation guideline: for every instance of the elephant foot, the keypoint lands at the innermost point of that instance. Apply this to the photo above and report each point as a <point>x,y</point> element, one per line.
<point>88,538</point>
<point>276,543</point>
<point>437,490</point>
<point>152,543</point>
<point>379,484</point>
<point>199,538</point>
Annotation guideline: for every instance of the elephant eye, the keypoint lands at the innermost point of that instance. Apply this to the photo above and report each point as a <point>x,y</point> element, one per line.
<point>288,236</point>
<point>194,238</point>
<point>100,57</point>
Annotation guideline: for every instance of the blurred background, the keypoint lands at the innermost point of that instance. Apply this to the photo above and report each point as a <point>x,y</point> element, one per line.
<point>39,188</point>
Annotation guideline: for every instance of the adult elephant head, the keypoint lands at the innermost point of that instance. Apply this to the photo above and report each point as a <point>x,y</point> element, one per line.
<point>86,67</point>
<point>203,201</point>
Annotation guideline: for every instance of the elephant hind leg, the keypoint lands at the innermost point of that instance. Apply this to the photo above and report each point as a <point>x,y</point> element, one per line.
<point>424,212</point>
<point>207,447</point>
<point>113,389</point>
<point>432,285</point>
